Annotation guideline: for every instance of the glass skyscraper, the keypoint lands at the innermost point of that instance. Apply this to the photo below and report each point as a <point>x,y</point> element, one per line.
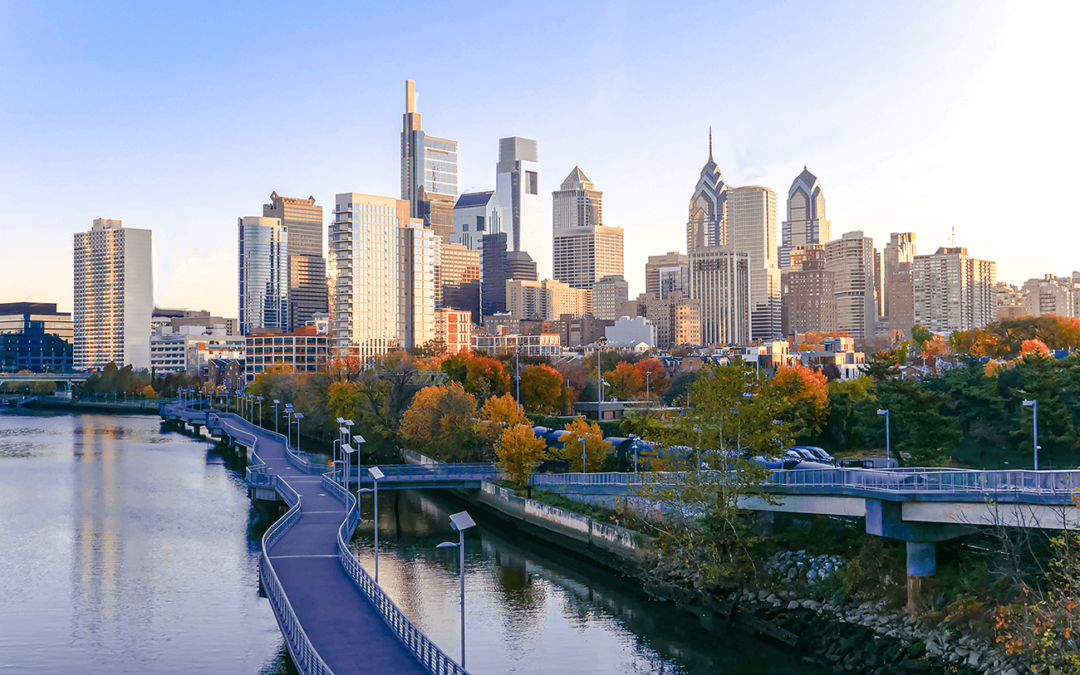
<point>264,274</point>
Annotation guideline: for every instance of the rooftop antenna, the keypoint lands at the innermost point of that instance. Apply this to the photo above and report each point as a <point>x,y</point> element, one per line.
<point>710,143</point>
<point>952,237</point>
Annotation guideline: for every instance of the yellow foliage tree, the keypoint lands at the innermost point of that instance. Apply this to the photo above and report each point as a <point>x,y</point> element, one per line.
<point>149,392</point>
<point>498,414</point>
<point>596,448</point>
<point>518,450</point>
<point>439,422</point>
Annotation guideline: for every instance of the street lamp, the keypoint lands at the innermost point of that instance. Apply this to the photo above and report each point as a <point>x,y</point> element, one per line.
<point>635,439</point>
<point>648,374</point>
<point>376,475</point>
<point>289,418</point>
<point>348,450</point>
<point>348,432</point>
<point>260,400</point>
<point>1034,405</point>
<point>298,416</point>
<point>276,404</point>
<point>460,522</point>
<point>888,445</point>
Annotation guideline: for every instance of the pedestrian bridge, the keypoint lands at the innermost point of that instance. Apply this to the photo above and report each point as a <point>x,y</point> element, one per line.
<point>335,618</point>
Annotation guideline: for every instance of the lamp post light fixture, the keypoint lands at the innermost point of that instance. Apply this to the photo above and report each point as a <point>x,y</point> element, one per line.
<point>460,522</point>
<point>648,397</point>
<point>1034,405</point>
<point>276,415</point>
<point>376,475</point>
<point>298,416</point>
<point>348,432</point>
<point>888,444</point>
<point>260,400</point>
<point>635,439</point>
<point>347,450</point>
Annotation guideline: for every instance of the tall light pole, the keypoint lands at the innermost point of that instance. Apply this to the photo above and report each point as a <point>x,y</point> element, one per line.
<point>376,475</point>
<point>460,522</point>
<point>584,465</point>
<point>359,450</point>
<point>648,397</point>
<point>260,400</point>
<point>298,416</point>
<point>634,444</point>
<point>348,450</point>
<point>888,445</point>
<point>517,367</point>
<point>289,418</point>
<point>276,415</point>
<point>1034,405</point>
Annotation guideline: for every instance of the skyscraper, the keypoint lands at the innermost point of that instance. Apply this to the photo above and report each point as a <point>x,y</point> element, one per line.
<point>476,214</point>
<point>851,259</point>
<point>263,274</point>
<point>429,171</point>
<point>809,295</point>
<point>806,223</point>
<point>667,273</point>
<point>303,221</point>
<point>114,296</point>
<point>720,281</point>
<point>517,185</point>
<point>382,274</point>
<point>497,266</point>
<point>898,292</point>
<point>586,250</point>
<point>954,291</point>
<point>707,225</point>
<point>752,228</point>
<point>457,279</point>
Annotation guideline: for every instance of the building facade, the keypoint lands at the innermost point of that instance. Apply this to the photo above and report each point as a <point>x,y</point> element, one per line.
<point>263,274</point>
<point>35,337</point>
<point>1050,295</point>
<point>457,279</point>
<point>517,187</point>
<point>114,296</point>
<point>954,291</point>
<point>454,329</point>
<point>809,297</point>
<point>498,264</point>
<point>429,171</point>
<point>610,297</point>
<point>676,316</point>
<point>544,300</point>
<point>667,273</point>
<point>707,225</point>
<point>720,282</point>
<point>898,292</point>
<point>851,260</point>
<point>585,250</point>
<point>806,223</point>
<point>300,351</point>
<point>752,228</point>
<point>476,214</point>
<point>303,222</point>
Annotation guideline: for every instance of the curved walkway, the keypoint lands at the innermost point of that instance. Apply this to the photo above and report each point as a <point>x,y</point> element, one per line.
<point>324,609</point>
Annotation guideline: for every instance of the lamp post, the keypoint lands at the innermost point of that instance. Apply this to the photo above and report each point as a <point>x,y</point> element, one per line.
<point>298,416</point>
<point>648,397</point>
<point>360,452</point>
<point>347,450</point>
<point>584,464</point>
<point>634,444</point>
<point>1034,405</point>
<point>260,400</point>
<point>517,368</point>
<point>276,404</point>
<point>888,444</point>
<point>376,475</point>
<point>289,418</point>
<point>460,522</point>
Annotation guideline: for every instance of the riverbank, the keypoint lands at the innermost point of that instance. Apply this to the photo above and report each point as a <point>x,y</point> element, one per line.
<point>62,404</point>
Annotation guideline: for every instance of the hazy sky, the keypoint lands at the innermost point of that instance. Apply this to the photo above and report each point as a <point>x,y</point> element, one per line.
<point>182,117</point>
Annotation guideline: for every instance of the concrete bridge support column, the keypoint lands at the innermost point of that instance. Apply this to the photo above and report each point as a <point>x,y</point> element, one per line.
<point>921,562</point>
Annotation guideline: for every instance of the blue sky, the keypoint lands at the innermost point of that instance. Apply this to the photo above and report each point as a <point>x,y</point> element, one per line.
<point>180,118</point>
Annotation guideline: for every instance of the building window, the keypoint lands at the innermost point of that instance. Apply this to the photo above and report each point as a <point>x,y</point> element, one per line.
<point>532,183</point>
<point>479,223</point>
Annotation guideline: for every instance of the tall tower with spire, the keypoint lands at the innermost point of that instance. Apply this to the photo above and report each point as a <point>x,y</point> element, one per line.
<point>585,250</point>
<point>707,225</point>
<point>429,171</point>
<point>806,224</point>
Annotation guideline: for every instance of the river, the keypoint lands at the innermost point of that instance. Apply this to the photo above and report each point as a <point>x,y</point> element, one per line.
<point>126,550</point>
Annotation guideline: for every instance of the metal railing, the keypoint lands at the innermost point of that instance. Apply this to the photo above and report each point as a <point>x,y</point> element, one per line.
<point>930,480</point>
<point>433,659</point>
<point>429,472</point>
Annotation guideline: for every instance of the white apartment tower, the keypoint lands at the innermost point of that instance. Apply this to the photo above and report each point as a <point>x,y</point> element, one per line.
<point>517,187</point>
<point>263,272</point>
<point>585,250</point>
<point>806,224</point>
<point>382,277</point>
<point>114,296</point>
<point>954,291</point>
<point>752,228</point>
<point>720,281</point>
<point>851,259</point>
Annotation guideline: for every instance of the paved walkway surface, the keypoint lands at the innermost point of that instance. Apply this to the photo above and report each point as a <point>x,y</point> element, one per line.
<point>345,629</point>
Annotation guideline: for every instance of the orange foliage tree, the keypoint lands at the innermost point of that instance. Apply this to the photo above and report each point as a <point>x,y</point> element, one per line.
<point>656,382</point>
<point>1034,346</point>
<point>541,388</point>
<point>626,382</point>
<point>518,450</point>
<point>806,392</point>
<point>439,422</point>
<point>499,413</point>
<point>597,449</point>
<point>480,375</point>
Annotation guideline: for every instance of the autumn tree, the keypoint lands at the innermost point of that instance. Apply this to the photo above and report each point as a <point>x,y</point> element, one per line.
<point>480,375</point>
<point>807,393</point>
<point>439,422</point>
<point>624,383</point>
<point>148,392</point>
<point>541,388</point>
<point>596,449</point>
<point>519,450</point>
<point>1034,346</point>
<point>652,372</point>
<point>499,413</point>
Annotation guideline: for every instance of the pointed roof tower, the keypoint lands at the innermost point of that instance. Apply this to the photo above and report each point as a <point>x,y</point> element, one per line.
<point>577,180</point>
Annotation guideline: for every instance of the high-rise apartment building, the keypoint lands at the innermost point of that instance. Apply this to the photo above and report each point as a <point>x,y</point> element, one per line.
<point>751,227</point>
<point>851,259</point>
<point>809,296</point>
<point>517,186</point>
<point>429,171</point>
<point>457,279</point>
<point>720,281</point>
<point>263,274</point>
<point>1050,295</point>
<point>585,250</point>
<point>303,221</point>
<point>954,291</point>
<point>898,293</point>
<point>676,317</point>
<point>545,300</point>
<point>806,222</point>
<point>114,296</point>
<point>610,297</point>
<point>707,225</point>
<point>668,273</point>
<point>476,214</point>
<point>382,283</point>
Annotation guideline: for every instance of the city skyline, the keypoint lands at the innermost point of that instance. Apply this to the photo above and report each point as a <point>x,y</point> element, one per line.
<point>870,134</point>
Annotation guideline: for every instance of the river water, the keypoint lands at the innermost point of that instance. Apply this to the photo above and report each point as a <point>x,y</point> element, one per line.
<point>126,550</point>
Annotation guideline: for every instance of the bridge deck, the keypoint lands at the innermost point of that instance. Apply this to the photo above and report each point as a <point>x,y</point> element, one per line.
<point>344,627</point>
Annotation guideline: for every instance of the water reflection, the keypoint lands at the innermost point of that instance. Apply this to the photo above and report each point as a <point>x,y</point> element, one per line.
<point>531,609</point>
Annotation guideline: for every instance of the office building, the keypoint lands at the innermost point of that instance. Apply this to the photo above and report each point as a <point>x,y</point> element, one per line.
<point>585,250</point>
<point>544,300</point>
<point>301,351</point>
<point>707,225</point>
<point>382,283</point>
<point>457,279</point>
<point>429,171</point>
<point>517,187</point>
<point>303,223</point>
<point>545,345</point>
<point>954,291</point>
<point>667,273</point>
<point>898,292</point>
<point>720,282</point>
<point>497,265</point>
<point>114,296</point>
<point>184,317</point>
<point>191,347</point>
<point>809,296</point>
<point>851,260</point>
<point>631,331</point>
<point>611,298</point>
<point>676,316</point>
<point>263,274</point>
<point>751,212</point>
<point>454,329</point>
<point>806,222</point>
<point>476,214</point>
<point>35,337</point>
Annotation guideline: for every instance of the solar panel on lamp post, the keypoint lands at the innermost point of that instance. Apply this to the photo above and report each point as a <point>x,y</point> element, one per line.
<point>347,450</point>
<point>276,403</point>
<point>460,522</point>
<point>298,416</point>
<point>376,475</point>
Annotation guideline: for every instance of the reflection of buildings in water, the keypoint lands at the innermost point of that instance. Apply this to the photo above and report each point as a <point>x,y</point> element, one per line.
<point>515,582</point>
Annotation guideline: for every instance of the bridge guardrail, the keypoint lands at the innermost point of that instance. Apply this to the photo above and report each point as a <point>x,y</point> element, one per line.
<point>433,659</point>
<point>928,480</point>
<point>408,472</point>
